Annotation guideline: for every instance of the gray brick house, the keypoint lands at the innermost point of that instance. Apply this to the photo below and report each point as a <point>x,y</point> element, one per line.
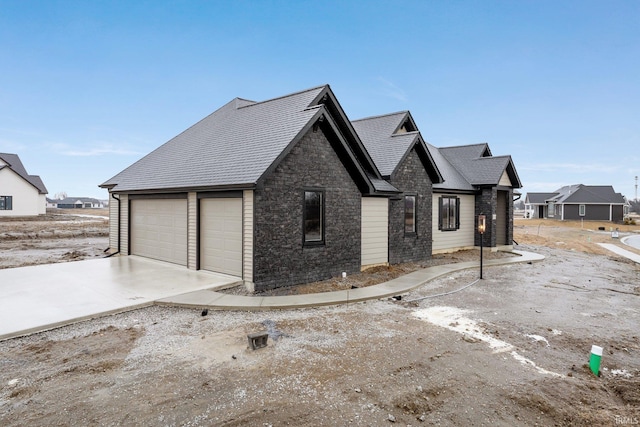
<point>475,182</point>
<point>289,191</point>
<point>270,192</point>
<point>401,155</point>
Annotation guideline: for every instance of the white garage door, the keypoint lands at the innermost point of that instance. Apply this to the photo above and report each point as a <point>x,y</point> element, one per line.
<point>221,235</point>
<point>159,229</point>
<point>375,230</point>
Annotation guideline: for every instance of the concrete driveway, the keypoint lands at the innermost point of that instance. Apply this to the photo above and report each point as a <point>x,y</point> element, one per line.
<point>42,297</point>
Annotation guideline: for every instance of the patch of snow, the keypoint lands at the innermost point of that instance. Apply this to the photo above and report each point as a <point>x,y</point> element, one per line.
<point>538,338</point>
<point>529,362</point>
<point>621,373</point>
<point>454,319</point>
<point>556,332</point>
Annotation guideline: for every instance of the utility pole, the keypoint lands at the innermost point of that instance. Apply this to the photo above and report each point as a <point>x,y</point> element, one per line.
<point>636,188</point>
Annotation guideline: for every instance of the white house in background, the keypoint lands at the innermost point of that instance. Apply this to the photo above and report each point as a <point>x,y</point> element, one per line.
<point>20,193</point>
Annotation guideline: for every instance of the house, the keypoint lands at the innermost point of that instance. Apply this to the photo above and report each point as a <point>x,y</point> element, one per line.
<point>20,193</point>
<point>475,183</point>
<point>270,192</point>
<point>289,191</point>
<point>77,203</point>
<point>578,201</point>
<point>403,159</point>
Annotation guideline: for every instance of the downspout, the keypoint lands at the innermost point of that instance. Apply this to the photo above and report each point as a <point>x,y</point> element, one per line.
<point>113,195</point>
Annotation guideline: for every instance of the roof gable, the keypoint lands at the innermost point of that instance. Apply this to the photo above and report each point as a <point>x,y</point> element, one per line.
<point>478,166</point>
<point>453,179</point>
<point>385,146</point>
<point>467,166</point>
<point>390,138</point>
<point>13,162</point>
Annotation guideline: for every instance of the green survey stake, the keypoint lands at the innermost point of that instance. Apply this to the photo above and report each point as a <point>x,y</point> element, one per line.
<point>594,360</point>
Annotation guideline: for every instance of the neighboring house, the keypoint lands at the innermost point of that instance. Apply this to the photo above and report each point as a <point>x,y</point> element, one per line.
<point>270,192</point>
<point>475,182</point>
<point>77,203</point>
<point>20,193</point>
<point>404,231</point>
<point>535,205</point>
<point>589,202</point>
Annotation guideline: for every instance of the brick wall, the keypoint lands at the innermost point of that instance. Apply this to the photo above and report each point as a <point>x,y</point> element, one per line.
<point>510,216</point>
<point>280,258</point>
<point>486,203</point>
<point>412,179</point>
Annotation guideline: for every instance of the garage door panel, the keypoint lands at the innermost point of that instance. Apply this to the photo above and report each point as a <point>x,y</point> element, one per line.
<point>221,235</point>
<point>159,229</point>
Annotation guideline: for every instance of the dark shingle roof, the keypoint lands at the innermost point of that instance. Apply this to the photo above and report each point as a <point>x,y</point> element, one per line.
<point>234,145</point>
<point>592,194</point>
<point>476,164</point>
<point>16,165</point>
<point>453,179</point>
<point>466,166</point>
<point>385,148</point>
<point>539,198</point>
<point>579,193</point>
<point>388,146</point>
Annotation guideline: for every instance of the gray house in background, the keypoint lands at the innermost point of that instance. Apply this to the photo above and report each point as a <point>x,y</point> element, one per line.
<point>475,182</point>
<point>588,202</point>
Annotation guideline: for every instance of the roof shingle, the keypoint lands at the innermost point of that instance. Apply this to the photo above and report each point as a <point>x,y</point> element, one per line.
<point>234,145</point>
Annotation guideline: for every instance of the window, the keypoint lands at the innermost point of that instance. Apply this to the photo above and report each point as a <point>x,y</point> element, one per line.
<point>313,217</point>
<point>409,214</point>
<point>449,213</point>
<point>6,203</point>
<point>582,210</point>
<point>551,210</point>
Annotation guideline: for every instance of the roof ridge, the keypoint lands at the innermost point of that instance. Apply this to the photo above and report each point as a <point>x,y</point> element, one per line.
<point>465,145</point>
<point>285,96</point>
<point>380,116</point>
<point>413,132</point>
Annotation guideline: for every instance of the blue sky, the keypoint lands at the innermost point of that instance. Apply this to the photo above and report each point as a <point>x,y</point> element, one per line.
<point>89,87</point>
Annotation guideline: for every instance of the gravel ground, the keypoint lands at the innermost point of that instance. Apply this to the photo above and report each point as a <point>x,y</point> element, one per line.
<point>511,349</point>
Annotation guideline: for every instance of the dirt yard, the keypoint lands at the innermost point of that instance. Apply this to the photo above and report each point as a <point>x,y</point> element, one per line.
<point>59,236</point>
<point>511,349</point>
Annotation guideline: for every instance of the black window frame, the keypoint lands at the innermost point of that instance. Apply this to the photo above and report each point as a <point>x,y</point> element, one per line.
<point>450,200</point>
<point>6,203</point>
<point>321,222</point>
<point>413,231</point>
